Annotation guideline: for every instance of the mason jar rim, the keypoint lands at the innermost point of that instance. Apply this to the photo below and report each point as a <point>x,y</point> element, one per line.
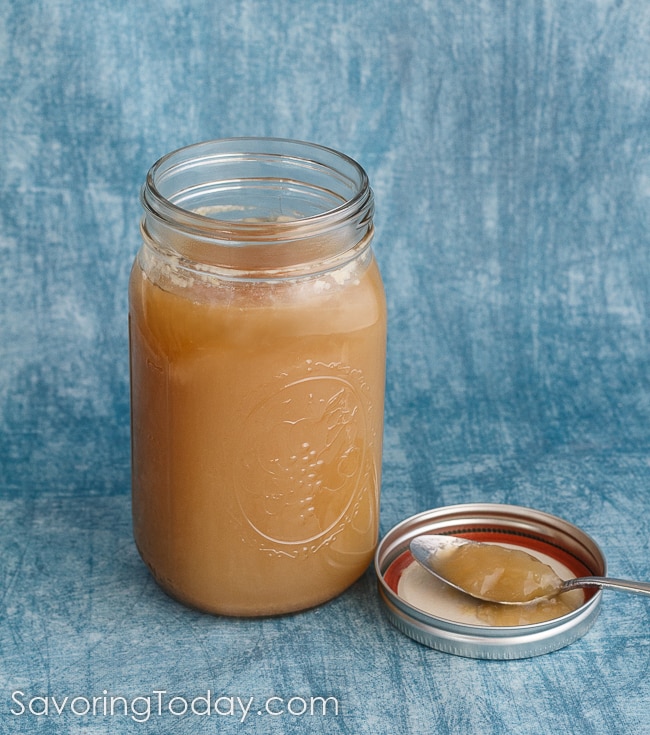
<point>164,206</point>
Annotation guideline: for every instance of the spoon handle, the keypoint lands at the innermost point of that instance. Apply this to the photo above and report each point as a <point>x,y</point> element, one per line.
<point>624,585</point>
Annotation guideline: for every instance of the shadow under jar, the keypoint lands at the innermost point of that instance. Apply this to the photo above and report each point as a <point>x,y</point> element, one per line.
<point>257,324</point>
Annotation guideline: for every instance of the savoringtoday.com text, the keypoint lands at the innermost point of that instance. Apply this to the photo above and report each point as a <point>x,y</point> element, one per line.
<point>160,702</point>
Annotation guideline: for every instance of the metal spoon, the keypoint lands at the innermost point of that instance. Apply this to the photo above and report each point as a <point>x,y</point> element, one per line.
<point>501,574</point>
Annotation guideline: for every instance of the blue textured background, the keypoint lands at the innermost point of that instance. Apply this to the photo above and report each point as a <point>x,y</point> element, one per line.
<point>508,144</point>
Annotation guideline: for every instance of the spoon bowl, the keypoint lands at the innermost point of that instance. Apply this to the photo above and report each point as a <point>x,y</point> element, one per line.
<point>496,573</point>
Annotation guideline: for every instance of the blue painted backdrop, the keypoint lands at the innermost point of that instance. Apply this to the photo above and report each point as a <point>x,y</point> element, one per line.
<point>508,144</point>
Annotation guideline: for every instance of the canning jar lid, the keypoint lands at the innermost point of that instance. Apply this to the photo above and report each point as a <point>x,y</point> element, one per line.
<point>531,530</point>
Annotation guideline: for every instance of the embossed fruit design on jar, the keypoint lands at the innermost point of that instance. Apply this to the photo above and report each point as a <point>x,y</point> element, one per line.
<point>257,336</point>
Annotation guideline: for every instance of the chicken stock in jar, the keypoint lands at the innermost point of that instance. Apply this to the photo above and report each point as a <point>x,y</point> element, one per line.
<point>257,327</point>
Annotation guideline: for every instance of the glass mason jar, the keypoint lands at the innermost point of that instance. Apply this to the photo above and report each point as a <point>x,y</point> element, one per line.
<point>257,326</point>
